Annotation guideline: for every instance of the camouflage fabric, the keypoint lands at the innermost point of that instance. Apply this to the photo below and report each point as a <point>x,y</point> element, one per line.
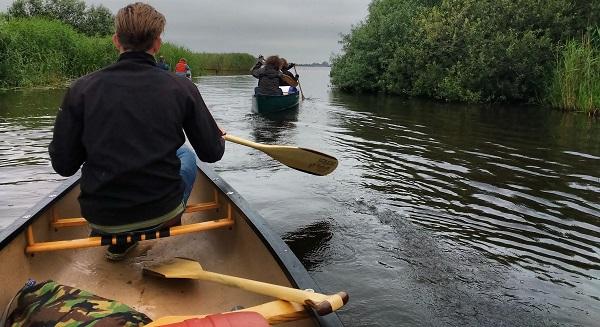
<point>52,304</point>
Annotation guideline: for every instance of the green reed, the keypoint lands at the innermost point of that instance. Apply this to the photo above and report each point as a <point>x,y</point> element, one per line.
<point>43,52</point>
<point>40,52</point>
<point>199,62</point>
<point>576,82</point>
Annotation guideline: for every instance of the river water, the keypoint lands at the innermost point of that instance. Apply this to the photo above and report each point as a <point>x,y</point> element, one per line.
<point>438,214</point>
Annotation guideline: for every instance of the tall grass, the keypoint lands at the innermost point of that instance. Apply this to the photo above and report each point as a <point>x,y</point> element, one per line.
<point>41,52</point>
<point>199,62</point>
<point>576,82</point>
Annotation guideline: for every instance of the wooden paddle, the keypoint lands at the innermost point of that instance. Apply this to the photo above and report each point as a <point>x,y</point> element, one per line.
<point>306,160</point>
<point>190,269</point>
<point>300,86</point>
<point>276,312</point>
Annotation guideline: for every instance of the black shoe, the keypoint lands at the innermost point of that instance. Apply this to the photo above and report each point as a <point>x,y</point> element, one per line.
<point>119,251</point>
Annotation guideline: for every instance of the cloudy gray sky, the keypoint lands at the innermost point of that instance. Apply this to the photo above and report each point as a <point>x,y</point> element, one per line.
<point>303,31</point>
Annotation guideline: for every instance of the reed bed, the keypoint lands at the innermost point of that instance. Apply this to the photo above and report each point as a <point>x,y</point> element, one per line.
<point>40,52</point>
<point>576,82</point>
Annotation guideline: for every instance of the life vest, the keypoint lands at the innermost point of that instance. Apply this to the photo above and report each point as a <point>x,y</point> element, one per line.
<point>180,67</point>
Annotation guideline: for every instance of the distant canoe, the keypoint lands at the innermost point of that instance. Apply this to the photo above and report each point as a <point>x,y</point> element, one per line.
<point>275,103</point>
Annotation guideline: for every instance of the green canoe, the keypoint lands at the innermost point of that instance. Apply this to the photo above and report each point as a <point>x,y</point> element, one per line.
<point>275,103</point>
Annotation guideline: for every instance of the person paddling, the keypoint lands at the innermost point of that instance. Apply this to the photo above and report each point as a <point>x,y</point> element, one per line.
<point>125,124</point>
<point>285,67</point>
<point>162,64</point>
<point>268,75</point>
<point>183,69</point>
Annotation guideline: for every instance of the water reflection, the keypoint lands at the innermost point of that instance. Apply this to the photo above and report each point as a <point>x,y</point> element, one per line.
<point>495,179</point>
<point>30,103</point>
<point>274,128</point>
<point>311,243</point>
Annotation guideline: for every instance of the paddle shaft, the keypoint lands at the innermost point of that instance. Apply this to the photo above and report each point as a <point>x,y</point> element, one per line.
<point>238,140</point>
<point>300,86</point>
<point>323,304</point>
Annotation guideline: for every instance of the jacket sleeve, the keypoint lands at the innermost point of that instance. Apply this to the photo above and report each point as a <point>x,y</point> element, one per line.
<point>257,70</point>
<point>66,149</point>
<point>202,130</point>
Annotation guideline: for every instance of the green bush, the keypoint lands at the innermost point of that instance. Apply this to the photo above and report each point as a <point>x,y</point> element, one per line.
<point>460,50</point>
<point>369,48</point>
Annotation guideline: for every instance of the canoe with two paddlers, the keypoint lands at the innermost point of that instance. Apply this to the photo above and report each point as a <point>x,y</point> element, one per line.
<point>180,277</point>
<point>275,103</point>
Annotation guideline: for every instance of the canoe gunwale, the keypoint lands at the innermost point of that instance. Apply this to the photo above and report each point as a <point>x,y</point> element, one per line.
<point>16,227</point>
<point>289,263</point>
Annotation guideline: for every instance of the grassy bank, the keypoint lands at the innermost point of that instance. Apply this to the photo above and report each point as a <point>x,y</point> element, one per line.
<point>40,52</point>
<point>576,82</point>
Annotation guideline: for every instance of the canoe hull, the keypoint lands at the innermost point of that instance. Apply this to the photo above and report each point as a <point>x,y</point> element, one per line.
<point>275,103</point>
<point>249,249</point>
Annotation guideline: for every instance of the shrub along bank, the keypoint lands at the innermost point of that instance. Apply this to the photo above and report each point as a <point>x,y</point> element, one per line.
<point>462,50</point>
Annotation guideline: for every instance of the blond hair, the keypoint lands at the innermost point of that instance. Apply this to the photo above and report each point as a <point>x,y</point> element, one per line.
<point>137,26</point>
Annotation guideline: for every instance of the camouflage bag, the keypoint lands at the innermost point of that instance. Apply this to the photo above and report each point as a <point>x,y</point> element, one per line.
<point>53,304</point>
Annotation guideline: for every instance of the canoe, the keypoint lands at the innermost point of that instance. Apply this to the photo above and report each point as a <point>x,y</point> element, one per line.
<point>234,240</point>
<point>275,103</point>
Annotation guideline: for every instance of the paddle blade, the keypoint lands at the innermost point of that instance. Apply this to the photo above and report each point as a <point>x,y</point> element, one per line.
<point>175,268</point>
<point>306,160</point>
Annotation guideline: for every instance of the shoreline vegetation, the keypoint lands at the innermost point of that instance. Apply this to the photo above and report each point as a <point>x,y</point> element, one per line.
<point>47,43</point>
<point>476,51</point>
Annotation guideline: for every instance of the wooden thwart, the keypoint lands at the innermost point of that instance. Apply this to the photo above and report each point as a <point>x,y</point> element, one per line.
<point>33,246</point>
<point>73,222</point>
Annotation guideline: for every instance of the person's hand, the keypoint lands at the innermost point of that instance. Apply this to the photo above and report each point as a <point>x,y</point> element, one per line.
<point>297,76</point>
<point>292,64</point>
<point>261,58</point>
<point>223,133</point>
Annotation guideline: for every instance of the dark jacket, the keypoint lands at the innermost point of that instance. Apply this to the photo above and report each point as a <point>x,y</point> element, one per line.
<point>124,123</point>
<point>268,79</point>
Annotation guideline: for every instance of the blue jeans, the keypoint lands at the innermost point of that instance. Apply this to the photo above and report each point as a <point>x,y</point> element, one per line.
<point>188,169</point>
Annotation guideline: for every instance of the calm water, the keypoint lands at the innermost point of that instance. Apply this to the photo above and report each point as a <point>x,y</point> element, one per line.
<point>438,215</point>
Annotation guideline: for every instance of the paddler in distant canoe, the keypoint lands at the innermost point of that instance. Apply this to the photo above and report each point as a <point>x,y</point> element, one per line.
<point>183,69</point>
<point>268,75</point>
<point>288,79</point>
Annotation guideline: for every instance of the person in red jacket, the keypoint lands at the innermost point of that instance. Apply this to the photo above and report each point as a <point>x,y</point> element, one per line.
<point>182,69</point>
<point>124,126</point>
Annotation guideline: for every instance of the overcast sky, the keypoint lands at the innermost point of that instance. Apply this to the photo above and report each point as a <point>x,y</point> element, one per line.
<point>303,31</point>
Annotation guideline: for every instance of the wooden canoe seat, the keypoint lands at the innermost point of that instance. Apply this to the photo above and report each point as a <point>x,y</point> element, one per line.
<point>102,240</point>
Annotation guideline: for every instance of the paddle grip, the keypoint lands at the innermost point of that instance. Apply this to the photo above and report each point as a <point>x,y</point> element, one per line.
<point>329,305</point>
